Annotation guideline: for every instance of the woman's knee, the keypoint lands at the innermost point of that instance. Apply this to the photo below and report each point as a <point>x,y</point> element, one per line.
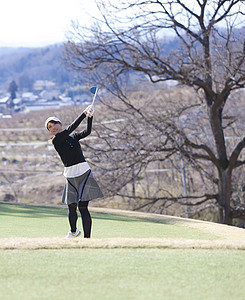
<point>72,207</point>
<point>83,204</point>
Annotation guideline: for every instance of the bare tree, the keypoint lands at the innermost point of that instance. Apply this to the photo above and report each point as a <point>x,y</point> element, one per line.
<point>209,56</point>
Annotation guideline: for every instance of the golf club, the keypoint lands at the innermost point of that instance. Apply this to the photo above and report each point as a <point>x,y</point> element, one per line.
<point>94,90</point>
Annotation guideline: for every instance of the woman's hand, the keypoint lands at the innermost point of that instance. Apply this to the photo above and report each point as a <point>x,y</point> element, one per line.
<point>89,111</point>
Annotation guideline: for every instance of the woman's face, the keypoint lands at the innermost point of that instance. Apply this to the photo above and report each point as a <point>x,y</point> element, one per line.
<point>54,127</point>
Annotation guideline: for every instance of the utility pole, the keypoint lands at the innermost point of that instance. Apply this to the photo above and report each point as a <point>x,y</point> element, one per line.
<point>184,185</point>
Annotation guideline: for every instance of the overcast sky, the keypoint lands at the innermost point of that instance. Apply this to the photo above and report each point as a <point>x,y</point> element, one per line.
<point>35,23</point>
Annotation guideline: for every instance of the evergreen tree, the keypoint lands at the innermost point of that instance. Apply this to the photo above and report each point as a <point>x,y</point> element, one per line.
<point>12,90</point>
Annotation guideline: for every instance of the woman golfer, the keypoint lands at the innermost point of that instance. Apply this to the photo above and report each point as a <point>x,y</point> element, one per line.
<point>80,187</point>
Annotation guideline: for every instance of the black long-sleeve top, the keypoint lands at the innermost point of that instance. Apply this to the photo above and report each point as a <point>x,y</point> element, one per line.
<point>67,145</point>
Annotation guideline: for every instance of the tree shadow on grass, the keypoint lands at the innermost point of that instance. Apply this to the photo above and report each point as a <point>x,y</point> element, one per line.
<point>23,210</point>
<point>124,218</point>
<point>119,218</point>
<point>32,211</point>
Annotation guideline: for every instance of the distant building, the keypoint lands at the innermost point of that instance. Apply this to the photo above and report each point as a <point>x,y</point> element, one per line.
<point>4,104</point>
<point>4,100</point>
<point>29,97</point>
<point>40,85</point>
<point>50,94</point>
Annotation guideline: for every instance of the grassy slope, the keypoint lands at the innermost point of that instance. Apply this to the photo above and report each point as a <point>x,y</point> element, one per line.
<point>38,227</point>
<point>131,256</point>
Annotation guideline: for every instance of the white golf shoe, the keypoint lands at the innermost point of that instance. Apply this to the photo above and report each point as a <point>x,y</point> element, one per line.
<point>72,235</point>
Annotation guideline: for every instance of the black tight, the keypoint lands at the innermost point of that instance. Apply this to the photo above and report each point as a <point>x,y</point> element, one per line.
<point>86,218</point>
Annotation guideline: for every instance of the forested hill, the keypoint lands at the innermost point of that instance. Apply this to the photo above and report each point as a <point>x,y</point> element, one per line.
<point>23,64</point>
<point>36,63</point>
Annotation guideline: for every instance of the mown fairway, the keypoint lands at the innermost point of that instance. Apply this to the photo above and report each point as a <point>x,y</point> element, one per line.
<point>129,257</point>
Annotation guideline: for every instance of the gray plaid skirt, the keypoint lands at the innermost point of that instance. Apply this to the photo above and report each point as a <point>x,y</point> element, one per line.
<point>81,188</point>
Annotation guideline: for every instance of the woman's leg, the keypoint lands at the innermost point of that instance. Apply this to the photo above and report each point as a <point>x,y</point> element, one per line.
<point>86,218</point>
<point>72,216</point>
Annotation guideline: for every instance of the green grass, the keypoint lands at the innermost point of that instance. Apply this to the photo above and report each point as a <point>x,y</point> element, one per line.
<point>21,220</point>
<point>121,273</point>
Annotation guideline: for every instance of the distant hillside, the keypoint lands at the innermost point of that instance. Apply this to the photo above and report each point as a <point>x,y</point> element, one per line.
<point>30,64</point>
<point>11,50</point>
<point>35,63</point>
<point>25,64</point>
<point>46,63</point>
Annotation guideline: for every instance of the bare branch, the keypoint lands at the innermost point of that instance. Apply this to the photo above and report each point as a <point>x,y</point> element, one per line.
<point>175,199</point>
<point>236,152</point>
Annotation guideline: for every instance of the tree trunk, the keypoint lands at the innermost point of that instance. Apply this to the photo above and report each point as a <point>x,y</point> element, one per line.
<point>225,196</point>
<point>224,170</point>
